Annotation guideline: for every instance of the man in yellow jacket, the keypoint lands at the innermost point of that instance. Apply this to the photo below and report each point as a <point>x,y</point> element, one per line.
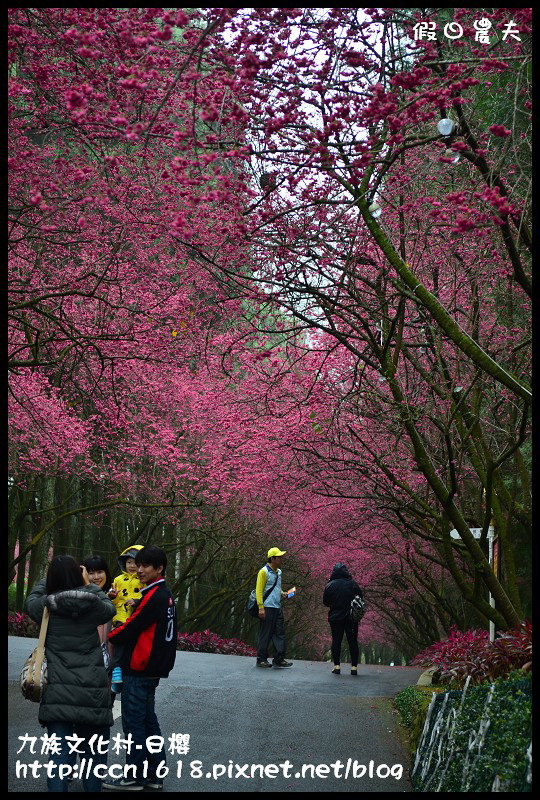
<point>271,621</point>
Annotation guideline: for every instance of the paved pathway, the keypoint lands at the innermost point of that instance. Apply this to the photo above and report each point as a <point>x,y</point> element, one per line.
<point>295,730</point>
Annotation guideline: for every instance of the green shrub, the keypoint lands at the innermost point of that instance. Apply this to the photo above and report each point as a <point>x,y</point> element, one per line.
<point>412,704</point>
<point>488,746</point>
<point>12,592</point>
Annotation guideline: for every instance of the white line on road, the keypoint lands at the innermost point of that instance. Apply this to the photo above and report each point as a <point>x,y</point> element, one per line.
<point>117,708</point>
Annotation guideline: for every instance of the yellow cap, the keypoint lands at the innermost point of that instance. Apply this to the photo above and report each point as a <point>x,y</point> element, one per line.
<point>275,551</point>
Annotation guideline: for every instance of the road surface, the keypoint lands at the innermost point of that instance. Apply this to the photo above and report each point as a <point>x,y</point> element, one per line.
<point>228,726</point>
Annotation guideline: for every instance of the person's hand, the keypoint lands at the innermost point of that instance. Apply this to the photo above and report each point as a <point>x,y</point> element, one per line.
<point>86,579</point>
<point>261,613</point>
<point>112,592</point>
<point>130,602</point>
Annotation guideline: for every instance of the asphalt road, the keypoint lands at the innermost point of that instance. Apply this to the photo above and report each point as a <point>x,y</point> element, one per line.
<point>228,726</point>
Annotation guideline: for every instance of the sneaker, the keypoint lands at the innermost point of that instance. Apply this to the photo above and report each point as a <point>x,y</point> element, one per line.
<point>153,783</point>
<point>116,680</point>
<point>265,664</point>
<point>117,675</point>
<point>282,663</point>
<point>122,785</point>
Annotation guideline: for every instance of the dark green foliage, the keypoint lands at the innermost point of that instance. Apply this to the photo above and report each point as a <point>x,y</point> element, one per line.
<point>487,748</point>
<point>412,704</point>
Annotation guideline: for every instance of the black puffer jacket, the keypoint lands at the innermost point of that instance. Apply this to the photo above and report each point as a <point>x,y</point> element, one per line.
<point>339,592</point>
<point>78,686</point>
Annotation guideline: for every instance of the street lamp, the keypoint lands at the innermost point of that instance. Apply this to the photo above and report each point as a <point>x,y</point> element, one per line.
<point>477,532</point>
<point>446,127</point>
<point>453,155</point>
<point>375,210</point>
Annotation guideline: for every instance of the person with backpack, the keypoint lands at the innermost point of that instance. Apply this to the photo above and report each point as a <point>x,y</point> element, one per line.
<point>339,592</point>
<point>271,621</point>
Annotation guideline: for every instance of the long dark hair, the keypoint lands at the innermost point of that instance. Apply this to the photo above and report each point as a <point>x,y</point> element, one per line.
<point>93,563</point>
<point>64,573</point>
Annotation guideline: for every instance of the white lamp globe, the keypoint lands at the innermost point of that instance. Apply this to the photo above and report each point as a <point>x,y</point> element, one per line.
<point>453,155</point>
<point>446,126</point>
<point>375,210</point>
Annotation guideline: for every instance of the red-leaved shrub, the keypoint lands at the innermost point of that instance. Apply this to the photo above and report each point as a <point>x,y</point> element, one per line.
<point>471,653</point>
<point>208,642</point>
<point>20,624</point>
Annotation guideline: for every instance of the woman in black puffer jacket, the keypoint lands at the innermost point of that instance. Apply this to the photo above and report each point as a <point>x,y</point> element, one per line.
<point>77,697</point>
<point>338,593</point>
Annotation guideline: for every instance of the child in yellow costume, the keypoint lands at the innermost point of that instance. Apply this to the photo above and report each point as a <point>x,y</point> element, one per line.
<point>124,592</point>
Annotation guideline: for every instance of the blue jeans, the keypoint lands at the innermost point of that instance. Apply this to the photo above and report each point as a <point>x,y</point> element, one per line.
<point>62,729</point>
<point>139,718</point>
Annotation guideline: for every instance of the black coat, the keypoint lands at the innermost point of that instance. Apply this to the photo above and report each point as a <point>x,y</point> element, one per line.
<point>78,685</point>
<point>339,592</point>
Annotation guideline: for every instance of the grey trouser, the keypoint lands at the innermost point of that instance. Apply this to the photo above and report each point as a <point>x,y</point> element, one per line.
<point>272,627</point>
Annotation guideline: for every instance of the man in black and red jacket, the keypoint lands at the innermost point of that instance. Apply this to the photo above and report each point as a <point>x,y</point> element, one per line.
<point>148,639</point>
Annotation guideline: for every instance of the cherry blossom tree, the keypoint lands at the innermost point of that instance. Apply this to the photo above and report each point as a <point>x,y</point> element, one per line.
<point>247,269</point>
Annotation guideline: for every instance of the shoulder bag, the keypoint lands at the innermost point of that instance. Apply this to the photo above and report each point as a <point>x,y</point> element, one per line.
<point>252,607</point>
<point>34,672</point>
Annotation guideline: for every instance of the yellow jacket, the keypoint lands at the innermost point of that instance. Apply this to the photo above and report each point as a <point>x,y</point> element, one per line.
<point>266,578</point>
<point>127,585</point>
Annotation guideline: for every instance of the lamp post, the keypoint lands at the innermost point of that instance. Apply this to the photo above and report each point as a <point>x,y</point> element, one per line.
<point>447,128</point>
<point>477,532</point>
